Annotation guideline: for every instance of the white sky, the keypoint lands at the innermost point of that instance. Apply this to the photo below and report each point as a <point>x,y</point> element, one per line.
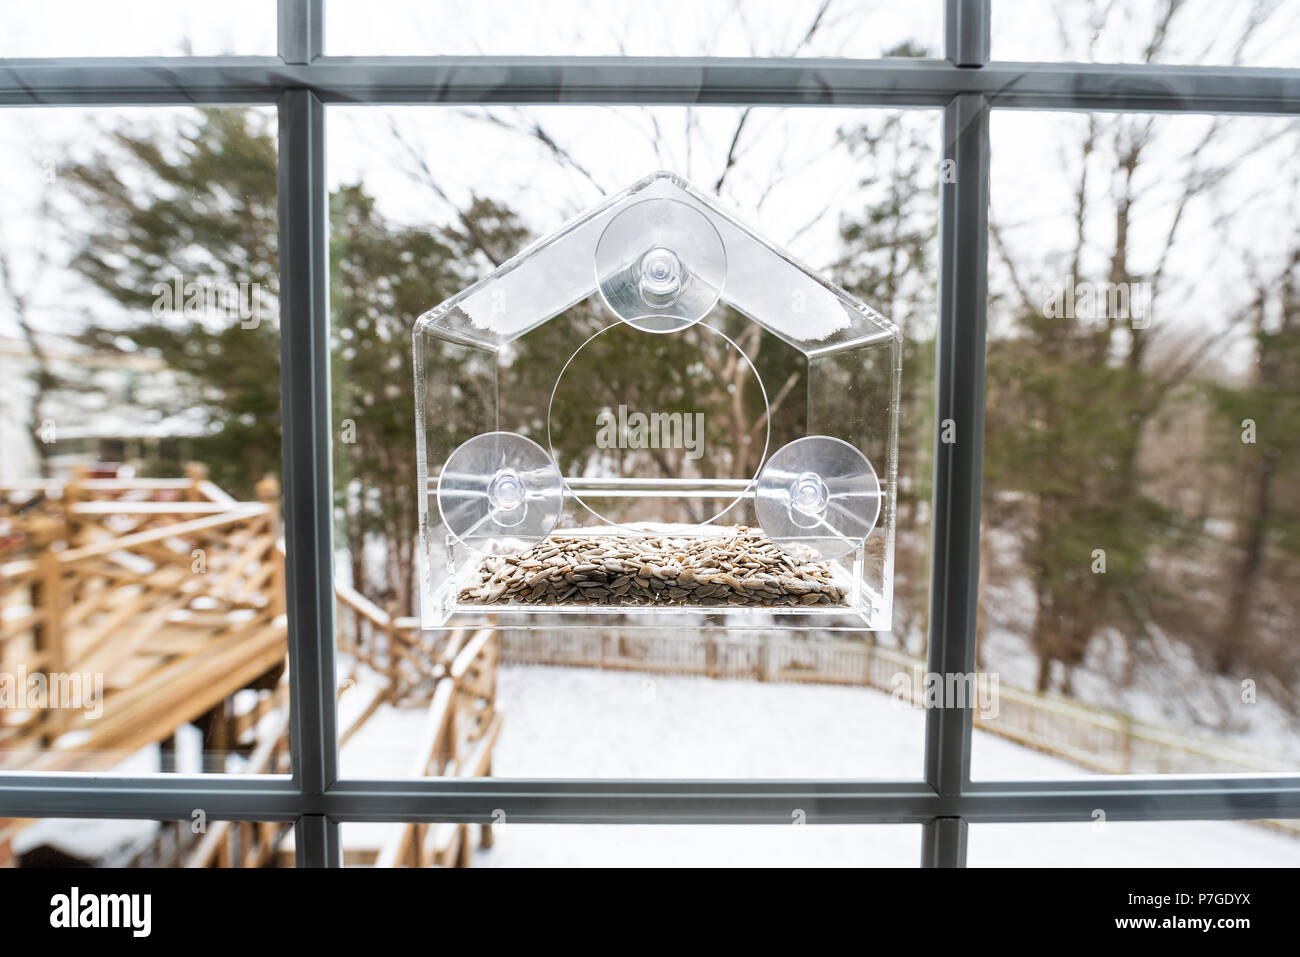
<point>790,168</point>
<point>816,181</point>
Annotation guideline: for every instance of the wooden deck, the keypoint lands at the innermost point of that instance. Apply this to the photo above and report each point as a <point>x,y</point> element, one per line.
<point>129,608</point>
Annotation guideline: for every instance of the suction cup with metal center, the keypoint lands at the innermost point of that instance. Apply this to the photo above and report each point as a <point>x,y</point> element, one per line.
<point>500,493</point>
<point>660,265</point>
<point>818,497</point>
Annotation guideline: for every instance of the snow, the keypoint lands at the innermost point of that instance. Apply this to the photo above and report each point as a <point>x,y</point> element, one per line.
<point>1130,844</point>
<point>95,839</point>
<point>583,845</point>
<point>577,722</point>
<point>1127,844</point>
<point>584,723</point>
<point>106,841</point>
<point>1168,687</point>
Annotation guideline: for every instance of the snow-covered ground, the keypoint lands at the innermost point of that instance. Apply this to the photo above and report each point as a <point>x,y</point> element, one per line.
<point>1165,684</point>
<point>1163,844</point>
<point>583,723</point>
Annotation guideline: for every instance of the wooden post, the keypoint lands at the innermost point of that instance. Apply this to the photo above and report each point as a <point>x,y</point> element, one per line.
<point>444,750</point>
<point>6,843</point>
<point>167,754</point>
<point>47,597</point>
<point>197,473</point>
<point>56,659</point>
<point>158,843</point>
<point>463,851</point>
<point>1126,747</point>
<point>74,491</point>
<point>247,845</point>
<point>268,493</point>
<point>390,633</point>
<point>486,838</point>
<point>216,737</point>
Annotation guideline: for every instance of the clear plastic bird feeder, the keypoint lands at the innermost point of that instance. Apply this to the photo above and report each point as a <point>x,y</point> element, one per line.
<point>655,416</point>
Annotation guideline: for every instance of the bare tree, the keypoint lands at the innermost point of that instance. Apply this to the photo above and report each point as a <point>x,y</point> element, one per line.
<point>20,295</point>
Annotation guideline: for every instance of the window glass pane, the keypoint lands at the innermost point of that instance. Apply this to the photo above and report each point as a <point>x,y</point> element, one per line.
<point>90,28</point>
<point>1140,549</point>
<point>197,841</point>
<point>1102,843</point>
<point>768,28</point>
<point>1187,32</point>
<point>142,594</point>
<point>613,845</point>
<point>852,192</point>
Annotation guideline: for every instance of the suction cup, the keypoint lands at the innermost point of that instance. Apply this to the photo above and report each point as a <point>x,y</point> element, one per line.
<point>818,497</point>
<point>660,265</point>
<point>500,493</point>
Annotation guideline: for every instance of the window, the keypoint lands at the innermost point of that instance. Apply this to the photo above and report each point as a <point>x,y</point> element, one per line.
<point>371,144</point>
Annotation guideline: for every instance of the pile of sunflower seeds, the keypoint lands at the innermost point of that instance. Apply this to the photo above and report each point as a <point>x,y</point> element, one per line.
<point>742,567</point>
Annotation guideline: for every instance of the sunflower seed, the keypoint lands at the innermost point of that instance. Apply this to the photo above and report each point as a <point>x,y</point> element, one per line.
<point>740,567</point>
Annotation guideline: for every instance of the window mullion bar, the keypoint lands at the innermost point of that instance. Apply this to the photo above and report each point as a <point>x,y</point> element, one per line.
<point>959,432</point>
<point>688,80</point>
<point>306,415</point>
<point>966,32</point>
<point>160,797</point>
<point>234,797</point>
<point>480,800</point>
<point>300,30</point>
<point>317,842</point>
<point>943,842</point>
<point>823,802</point>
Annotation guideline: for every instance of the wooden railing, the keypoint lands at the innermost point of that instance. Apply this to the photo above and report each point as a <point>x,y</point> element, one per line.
<point>249,843</point>
<point>391,645</point>
<point>459,733</point>
<point>154,611</point>
<point>172,592</point>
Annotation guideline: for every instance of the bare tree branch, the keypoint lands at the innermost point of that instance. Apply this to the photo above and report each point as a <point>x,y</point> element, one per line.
<point>732,153</point>
<point>424,175</point>
<point>730,162</point>
<point>1156,44</point>
<point>530,126</point>
<point>20,303</point>
<point>1021,289</point>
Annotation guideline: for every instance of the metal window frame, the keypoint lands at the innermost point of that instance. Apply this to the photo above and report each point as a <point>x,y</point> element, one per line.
<point>966,86</point>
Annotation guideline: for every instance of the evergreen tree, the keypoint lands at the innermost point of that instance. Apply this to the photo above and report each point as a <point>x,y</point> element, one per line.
<point>199,207</point>
<point>1259,421</point>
